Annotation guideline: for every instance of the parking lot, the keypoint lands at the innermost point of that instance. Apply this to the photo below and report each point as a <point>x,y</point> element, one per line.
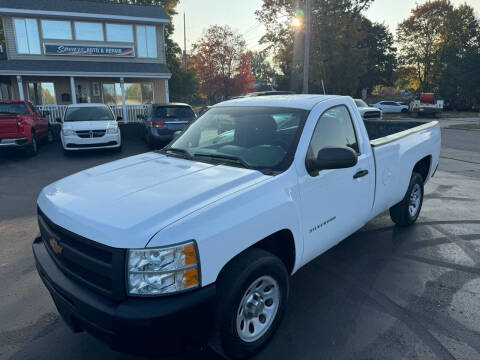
<point>383,293</point>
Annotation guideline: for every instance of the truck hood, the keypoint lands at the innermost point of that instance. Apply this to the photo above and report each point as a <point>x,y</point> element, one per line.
<point>89,125</point>
<point>125,202</point>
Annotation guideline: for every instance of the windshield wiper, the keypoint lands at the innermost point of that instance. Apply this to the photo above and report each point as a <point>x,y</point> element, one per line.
<point>228,158</point>
<point>179,151</point>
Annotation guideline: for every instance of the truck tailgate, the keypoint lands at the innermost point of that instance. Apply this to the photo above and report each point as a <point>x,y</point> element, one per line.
<point>8,126</point>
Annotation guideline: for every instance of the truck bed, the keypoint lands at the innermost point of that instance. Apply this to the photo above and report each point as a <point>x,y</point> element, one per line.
<point>397,146</point>
<point>382,132</point>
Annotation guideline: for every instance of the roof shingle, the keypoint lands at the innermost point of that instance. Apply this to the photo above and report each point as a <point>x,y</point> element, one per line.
<point>86,6</point>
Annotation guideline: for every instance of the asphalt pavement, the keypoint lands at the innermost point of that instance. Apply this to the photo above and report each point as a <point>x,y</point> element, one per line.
<point>383,293</point>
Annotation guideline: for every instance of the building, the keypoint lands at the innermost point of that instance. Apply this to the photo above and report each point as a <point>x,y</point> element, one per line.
<point>58,52</point>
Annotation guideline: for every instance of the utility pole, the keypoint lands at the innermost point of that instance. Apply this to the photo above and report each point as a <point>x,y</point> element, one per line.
<point>184,42</point>
<point>306,58</point>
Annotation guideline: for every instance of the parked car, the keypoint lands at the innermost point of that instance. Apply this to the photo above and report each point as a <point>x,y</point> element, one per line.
<point>199,239</point>
<point>90,126</point>
<point>391,107</point>
<point>162,121</point>
<point>368,112</point>
<point>23,126</point>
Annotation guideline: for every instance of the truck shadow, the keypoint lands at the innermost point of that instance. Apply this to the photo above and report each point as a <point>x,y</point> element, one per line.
<point>366,299</point>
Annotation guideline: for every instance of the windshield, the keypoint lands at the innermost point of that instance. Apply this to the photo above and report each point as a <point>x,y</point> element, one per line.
<point>91,113</point>
<point>13,109</point>
<point>253,137</point>
<point>169,112</point>
<point>360,103</point>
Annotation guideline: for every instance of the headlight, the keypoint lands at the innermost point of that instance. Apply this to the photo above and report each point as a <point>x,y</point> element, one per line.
<point>159,271</point>
<point>112,130</point>
<point>68,132</point>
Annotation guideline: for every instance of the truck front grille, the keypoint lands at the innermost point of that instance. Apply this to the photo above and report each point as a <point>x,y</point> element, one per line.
<point>90,133</point>
<point>100,267</point>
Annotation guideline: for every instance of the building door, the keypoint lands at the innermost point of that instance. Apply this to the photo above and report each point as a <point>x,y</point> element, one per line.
<point>83,91</point>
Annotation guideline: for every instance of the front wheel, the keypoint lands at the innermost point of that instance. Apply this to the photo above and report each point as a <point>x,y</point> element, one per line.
<point>50,137</point>
<point>406,212</point>
<point>32,148</point>
<point>252,298</point>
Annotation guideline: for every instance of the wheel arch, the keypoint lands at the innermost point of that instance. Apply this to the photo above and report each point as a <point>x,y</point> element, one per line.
<point>423,166</point>
<point>280,243</point>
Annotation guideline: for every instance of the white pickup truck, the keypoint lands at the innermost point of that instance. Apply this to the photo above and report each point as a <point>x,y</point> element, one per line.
<point>198,240</point>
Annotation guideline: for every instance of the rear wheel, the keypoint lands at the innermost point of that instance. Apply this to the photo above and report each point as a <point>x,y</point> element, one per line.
<point>252,298</point>
<point>406,212</point>
<point>32,148</point>
<point>404,111</point>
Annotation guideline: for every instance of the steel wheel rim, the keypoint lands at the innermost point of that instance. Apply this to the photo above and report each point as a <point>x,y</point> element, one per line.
<point>415,198</point>
<point>258,308</point>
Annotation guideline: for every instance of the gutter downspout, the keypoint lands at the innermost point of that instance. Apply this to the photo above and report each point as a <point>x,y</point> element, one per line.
<point>124,105</point>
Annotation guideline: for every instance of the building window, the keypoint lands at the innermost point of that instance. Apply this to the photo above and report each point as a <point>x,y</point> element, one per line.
<point>41,93</point>
<point>135,93</point>
<point>88,31</point>
<point>26,36</point>
<point>146,41</point>
<point>147,93</point>
<point>56,29</point>
<point>5,91</point>
<point>119,32</point>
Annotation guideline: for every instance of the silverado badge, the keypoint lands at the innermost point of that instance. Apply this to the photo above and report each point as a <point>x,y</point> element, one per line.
<point>57,249</point>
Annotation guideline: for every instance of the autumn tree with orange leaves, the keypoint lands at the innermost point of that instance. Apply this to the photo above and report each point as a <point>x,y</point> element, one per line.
<point>222,64</point>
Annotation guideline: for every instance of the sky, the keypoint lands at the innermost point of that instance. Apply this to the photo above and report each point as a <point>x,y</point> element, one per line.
<point>240,15</point>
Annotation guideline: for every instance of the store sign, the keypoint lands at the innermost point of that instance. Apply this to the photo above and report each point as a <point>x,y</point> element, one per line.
<point>87,50</point>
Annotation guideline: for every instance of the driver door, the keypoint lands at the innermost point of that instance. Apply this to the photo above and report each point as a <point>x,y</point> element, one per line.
<point>334,203</point>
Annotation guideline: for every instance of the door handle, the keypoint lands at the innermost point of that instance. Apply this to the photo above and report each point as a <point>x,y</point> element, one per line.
<point>360,174</point>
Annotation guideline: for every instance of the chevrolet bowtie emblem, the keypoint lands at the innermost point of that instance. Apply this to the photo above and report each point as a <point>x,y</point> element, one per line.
<point>57,249</point>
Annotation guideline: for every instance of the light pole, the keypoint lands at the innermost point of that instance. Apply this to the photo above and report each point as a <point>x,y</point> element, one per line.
<point>306,58</point>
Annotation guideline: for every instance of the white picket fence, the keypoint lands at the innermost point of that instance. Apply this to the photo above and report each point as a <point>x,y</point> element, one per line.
<point>57,111</point>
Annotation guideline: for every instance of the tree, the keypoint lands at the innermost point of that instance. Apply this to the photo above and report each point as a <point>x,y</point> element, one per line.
<point>381,55</point>
<point>219,59</point>
<point>420,39</point>
<point>343,49</point>
<point>459,66</point>
<point>261,68</point>
<point>442,43</point>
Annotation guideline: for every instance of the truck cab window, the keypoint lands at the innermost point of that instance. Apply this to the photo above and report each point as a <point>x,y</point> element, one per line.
<point>334,128</point>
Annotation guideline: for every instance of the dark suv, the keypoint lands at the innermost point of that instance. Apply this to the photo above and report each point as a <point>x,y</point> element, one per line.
<point>161,121</point>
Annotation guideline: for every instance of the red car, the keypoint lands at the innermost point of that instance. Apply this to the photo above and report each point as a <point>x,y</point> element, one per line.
<point>22,126</point>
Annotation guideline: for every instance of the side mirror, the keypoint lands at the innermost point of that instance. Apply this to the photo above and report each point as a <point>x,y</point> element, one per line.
<point>332,157</point>
<point>58,120</point>
<point>46,113</point>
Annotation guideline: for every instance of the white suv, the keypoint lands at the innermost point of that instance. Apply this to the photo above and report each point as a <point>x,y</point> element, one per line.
<point>90,126</point>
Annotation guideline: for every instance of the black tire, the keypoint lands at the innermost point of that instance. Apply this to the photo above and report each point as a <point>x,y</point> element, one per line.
<point>254,267</point>
<point>50,137</point>
<point>402,213</point>
<point>404,111</point>
<point>32,148</point>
